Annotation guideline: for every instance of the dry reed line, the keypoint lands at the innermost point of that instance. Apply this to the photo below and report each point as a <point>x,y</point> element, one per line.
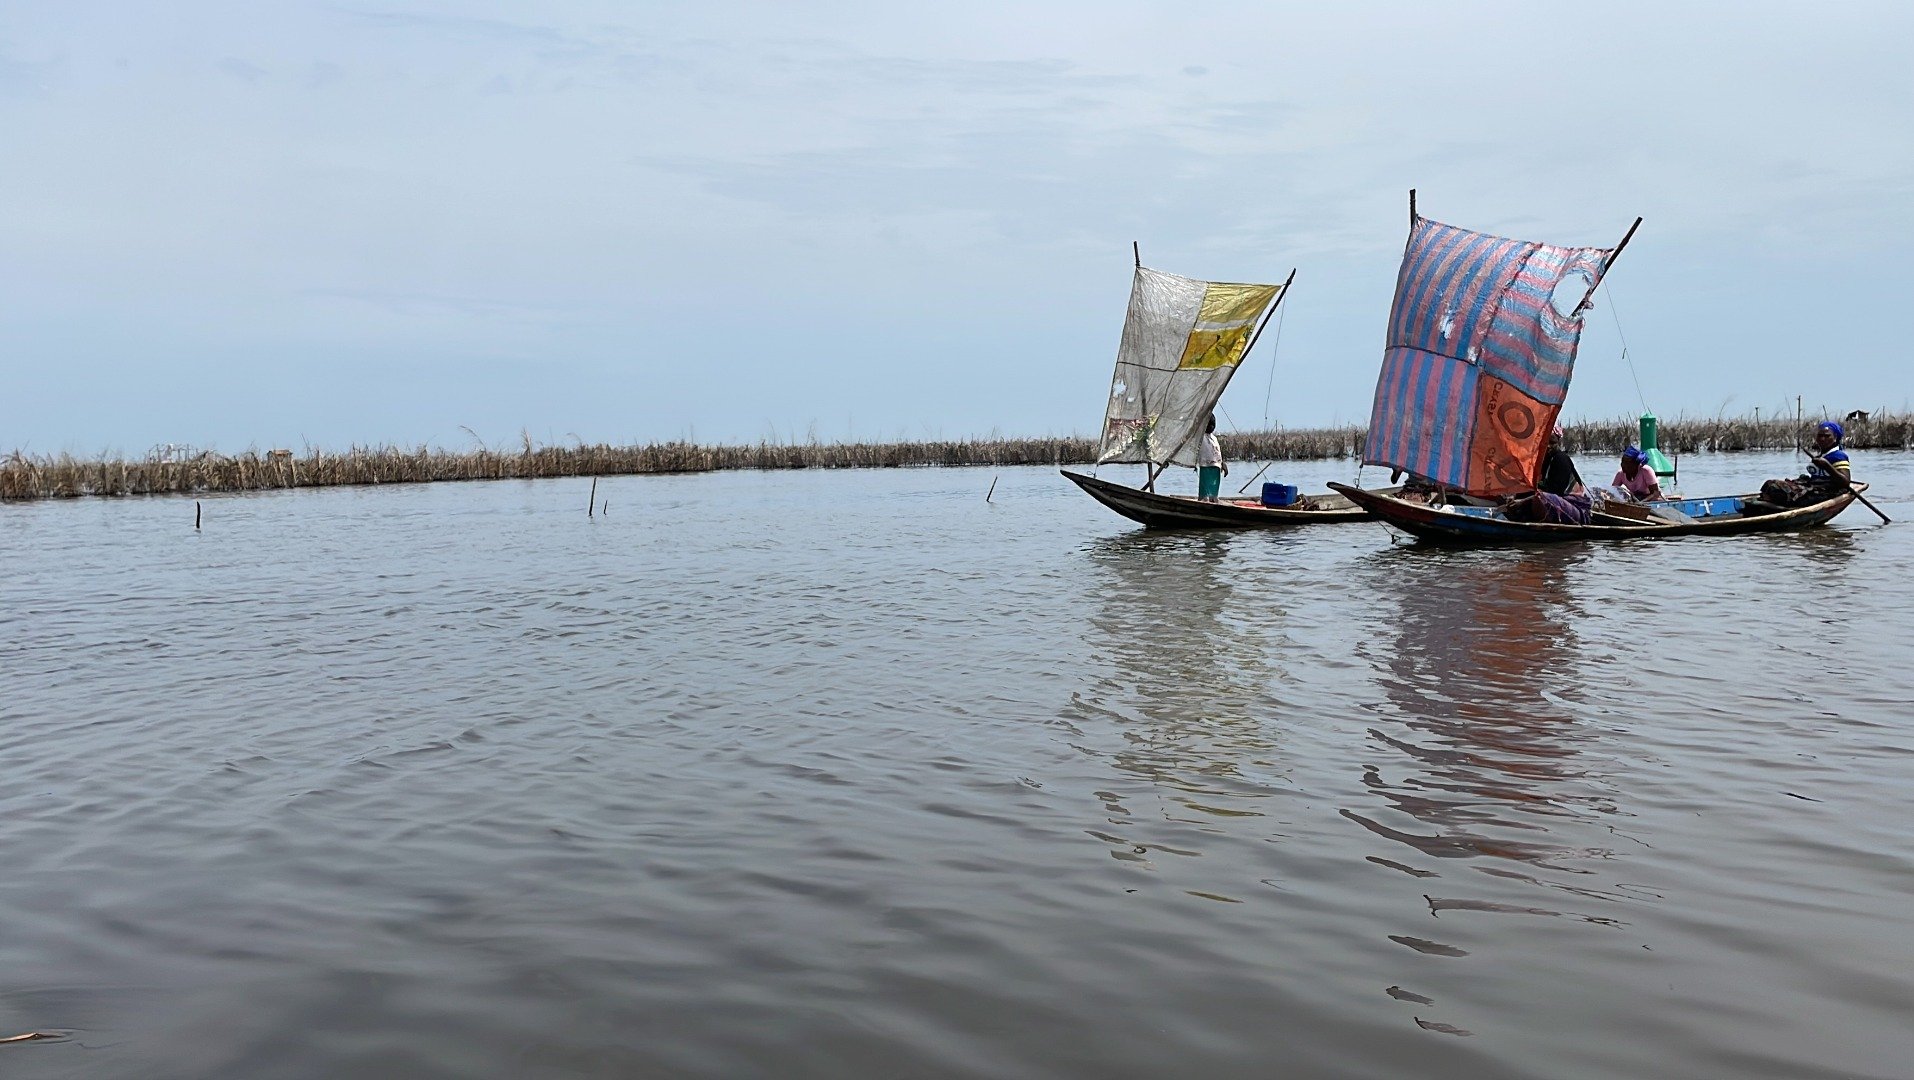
<point>1880,430</point>
<point>64,476</point>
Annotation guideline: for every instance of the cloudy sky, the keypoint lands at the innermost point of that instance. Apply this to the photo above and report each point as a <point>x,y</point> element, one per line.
<point>237,223</point>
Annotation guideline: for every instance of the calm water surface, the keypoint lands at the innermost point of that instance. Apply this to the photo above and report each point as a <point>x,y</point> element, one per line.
<point>853,774</point>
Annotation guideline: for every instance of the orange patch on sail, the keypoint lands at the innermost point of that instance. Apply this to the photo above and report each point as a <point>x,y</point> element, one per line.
<point>1510,436</point>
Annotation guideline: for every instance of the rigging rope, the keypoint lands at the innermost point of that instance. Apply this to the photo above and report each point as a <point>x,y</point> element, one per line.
<point>1275,349</point>
<point>1615,313</point>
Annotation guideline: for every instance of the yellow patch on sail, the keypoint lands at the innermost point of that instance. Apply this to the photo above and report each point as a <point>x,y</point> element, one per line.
<point>1223,324</point>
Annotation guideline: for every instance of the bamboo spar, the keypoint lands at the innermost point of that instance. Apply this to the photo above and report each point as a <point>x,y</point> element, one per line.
<point>1606,264</point>
<point>1280,294</point>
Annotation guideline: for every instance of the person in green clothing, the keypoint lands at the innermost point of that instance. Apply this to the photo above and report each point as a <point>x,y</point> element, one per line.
<point>1210,466</point>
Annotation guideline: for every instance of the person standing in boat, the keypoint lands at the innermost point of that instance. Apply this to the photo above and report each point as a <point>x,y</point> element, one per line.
<point>1210,466</point>
<point>1559,497</point>
<point>1829,472</point>
<point>1637,478</point>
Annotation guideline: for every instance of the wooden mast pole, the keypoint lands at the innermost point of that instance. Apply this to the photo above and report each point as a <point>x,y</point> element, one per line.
<point>1143,403</point>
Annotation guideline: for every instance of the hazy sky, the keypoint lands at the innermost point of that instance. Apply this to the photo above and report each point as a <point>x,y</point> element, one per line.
<point>277,224</point>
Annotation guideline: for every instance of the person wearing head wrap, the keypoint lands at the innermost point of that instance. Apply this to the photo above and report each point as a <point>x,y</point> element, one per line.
<point>1829,460</point>
<point>1828,472</point>
<point>1637,477</point>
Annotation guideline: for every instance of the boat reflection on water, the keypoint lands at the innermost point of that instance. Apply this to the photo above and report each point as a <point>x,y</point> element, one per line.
<point>1481,757</point>
<point>1184,687</point>
<point>1824,550</point>
<point>1479,674</point>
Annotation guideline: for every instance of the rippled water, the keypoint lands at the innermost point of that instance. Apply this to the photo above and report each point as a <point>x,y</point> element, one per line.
<point>826,775</point>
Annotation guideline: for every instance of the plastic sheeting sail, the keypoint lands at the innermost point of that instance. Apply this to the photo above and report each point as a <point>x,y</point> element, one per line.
<point>1182,340</point>
<point>1478,357</point>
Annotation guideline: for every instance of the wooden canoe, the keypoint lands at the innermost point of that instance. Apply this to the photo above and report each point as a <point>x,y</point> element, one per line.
<point>1159,511</point>
<point>1723,515</point>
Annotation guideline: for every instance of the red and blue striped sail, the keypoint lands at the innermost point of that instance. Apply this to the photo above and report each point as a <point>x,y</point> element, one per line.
<point>1478,357</point>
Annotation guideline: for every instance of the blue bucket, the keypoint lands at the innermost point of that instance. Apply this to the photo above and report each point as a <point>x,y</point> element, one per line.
<point>1279,494</point>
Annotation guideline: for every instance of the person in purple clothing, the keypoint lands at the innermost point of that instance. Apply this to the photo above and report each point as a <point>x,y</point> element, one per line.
<point>1559,497</point>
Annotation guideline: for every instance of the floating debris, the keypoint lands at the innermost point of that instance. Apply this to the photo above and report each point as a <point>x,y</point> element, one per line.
<point>1423,945</point>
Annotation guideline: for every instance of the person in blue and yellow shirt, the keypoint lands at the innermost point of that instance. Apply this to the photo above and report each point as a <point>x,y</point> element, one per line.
<point>1828,472</point>
<point>1830,459</point>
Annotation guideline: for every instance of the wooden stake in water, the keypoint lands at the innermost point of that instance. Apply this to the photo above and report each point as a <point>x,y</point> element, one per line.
<point>195,517</point>
<point>993,489</point>
<point>592,499</point>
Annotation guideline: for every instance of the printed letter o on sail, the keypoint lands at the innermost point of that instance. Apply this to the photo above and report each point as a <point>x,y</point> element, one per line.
<point>1182,341</point>
<point>1478,359</point>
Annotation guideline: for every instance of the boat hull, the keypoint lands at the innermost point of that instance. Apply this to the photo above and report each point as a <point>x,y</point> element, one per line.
<point>1159,511</point>
<point>1474,526</point>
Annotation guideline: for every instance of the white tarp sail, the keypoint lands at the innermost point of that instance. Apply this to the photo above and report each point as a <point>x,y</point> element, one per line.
<point>1181,343</point>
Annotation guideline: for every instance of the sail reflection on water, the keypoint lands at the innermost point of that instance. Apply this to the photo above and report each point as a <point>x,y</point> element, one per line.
<point>1481,679</point>
<point>1184,689</point>
<point>1483,759</point>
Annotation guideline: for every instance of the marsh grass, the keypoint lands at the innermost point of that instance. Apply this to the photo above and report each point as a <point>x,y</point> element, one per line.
<point>169,470</point>
<point>24,476</point>
<point>1882,430</point>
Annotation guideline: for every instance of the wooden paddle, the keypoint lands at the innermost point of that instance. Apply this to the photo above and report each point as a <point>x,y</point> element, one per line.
<point>1836,473</point>
<point>1885,520</point>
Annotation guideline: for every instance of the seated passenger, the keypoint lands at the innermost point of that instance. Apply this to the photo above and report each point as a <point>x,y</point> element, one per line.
<point>1828,472</point>
<point>1416,488</point>
<point>1640,481</point>
<point>1559,499</point>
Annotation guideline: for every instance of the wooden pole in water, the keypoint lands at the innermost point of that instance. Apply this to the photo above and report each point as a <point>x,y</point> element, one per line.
<point>195,516</point>
<point>993,489</point>
<point>592,499</point>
